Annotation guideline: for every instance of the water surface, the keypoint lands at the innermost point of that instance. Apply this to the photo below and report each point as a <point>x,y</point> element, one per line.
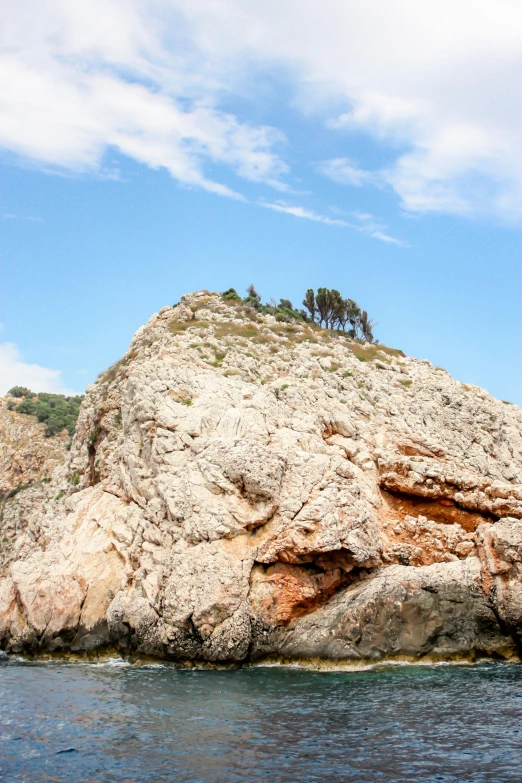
<point>101,723</point>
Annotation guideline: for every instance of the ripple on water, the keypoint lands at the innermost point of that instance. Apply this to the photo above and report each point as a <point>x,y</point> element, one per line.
<point>111,721</point>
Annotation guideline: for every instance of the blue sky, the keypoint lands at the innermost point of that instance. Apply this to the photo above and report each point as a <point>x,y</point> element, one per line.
<point>157,147</point>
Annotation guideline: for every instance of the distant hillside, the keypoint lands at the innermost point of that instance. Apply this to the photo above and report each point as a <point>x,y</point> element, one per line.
<point>27,453</point>
<point>57,411</point>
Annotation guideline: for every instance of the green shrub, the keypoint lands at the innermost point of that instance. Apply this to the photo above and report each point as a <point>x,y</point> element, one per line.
<point>16,490</point>
<point>218,361</point>
<point>230,294</point>
<point>74,478</point>
<point>55,410</point>
<point>20,391</point>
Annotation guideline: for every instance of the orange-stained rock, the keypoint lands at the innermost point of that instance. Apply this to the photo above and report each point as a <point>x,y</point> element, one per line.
<point>239,487</point>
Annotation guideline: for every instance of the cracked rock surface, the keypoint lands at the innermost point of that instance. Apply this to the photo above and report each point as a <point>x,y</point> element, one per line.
<point>241,489</point>
<point>26,454</point>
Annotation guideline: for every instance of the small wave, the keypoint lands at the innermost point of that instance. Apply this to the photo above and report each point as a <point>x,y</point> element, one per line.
<point>363,666</point>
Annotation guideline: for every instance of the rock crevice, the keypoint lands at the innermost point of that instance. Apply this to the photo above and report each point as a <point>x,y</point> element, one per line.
<point>239,489</point>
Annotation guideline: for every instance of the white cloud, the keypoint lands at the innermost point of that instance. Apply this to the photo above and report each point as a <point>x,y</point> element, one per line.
<point>344,172</point>
<point>367,224</point>
<point>302,212</point>
<point>15,372</point>
<point>71,88</point>
<point>436,84</point>
<point>364,222</point>
<point>31,218</point>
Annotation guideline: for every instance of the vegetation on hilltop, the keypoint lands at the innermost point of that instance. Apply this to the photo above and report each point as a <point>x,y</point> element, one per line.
<point>57,411</point>
<point>327,308</point>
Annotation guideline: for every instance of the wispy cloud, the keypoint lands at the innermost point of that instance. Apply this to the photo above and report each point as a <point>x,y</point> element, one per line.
<point>71,90</point>
<point>150,80</point>
<point>303,212</point>
<point>368,224</point>
<point>31,218</point>
<point>443,100</point>
<point>345,172</point>
<point>14,371</point>
<point>363,222</point>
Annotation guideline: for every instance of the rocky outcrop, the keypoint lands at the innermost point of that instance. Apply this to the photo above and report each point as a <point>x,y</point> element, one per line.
<point>500,547</point>
<point>437,610</point>
<point>240,488</point>
<point>26,454</point>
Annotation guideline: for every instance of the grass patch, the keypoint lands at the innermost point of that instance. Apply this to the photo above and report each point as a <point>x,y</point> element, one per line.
<point>264,339</point>
<point>369,353</point>
<point>180,327</point>
<point>13,492</point>
<point>117,368</point>
<point>305,338</point>
<point>404,382</point>
<point>218,359</point>
<point>236,330</point>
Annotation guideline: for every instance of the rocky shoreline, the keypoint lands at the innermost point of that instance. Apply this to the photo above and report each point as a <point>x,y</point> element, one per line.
<point>241,489</point>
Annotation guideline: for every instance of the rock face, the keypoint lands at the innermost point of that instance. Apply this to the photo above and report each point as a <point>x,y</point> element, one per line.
<point>26,455</point>
<point>242,489</point>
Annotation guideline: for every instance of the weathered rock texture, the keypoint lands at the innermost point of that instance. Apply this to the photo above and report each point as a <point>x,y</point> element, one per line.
<point>26,454</point>
<point>242,489</point>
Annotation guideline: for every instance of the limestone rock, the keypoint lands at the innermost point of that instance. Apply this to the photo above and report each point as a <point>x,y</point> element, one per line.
<point>26,455</point>
<point>500,547</point>
<point>437,612</point>
<point>239,487</point>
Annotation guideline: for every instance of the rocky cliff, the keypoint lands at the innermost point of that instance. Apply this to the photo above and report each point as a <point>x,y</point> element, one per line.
<point>26,454</point>
<point>244,489</point>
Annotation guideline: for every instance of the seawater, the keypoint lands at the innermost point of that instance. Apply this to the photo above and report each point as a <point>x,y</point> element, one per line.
<point>135,724</point>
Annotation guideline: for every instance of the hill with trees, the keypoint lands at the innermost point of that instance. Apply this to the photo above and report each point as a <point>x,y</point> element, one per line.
<point>57,411</point>
<point>327,308</point>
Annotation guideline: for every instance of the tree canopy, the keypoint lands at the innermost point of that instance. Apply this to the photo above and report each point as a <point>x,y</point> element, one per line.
<point>327,308</point>
<point>331,310</point>
<point>56,410</point>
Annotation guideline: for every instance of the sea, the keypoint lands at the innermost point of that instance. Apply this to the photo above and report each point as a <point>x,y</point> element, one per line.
<point>125,723</point>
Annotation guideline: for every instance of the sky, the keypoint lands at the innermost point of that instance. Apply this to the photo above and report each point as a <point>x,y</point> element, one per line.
<point>150,148</point>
